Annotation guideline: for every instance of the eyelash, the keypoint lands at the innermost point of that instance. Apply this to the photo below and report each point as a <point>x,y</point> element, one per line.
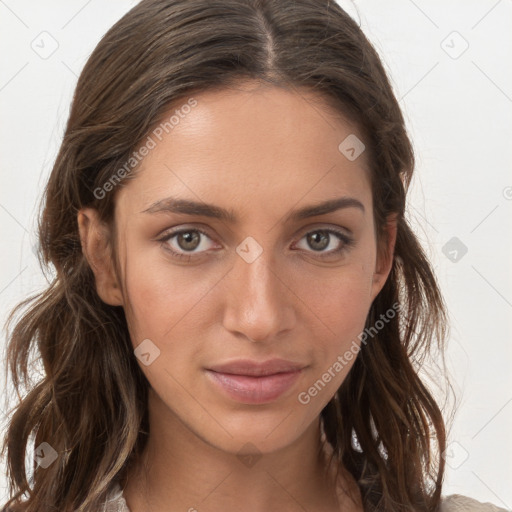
<point>347,242</point>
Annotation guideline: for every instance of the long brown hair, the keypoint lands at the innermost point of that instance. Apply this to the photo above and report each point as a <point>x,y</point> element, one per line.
<point>90,406</point>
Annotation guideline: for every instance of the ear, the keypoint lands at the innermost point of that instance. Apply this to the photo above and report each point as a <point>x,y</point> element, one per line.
<point>385,253</point>
<point>96,247</point>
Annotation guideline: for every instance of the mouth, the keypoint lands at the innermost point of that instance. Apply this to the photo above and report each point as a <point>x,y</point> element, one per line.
<point>252,389</point>
<point>255,368</point>
<point>254,382</point>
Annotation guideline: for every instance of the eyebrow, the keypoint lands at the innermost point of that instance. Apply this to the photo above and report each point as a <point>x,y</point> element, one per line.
<point>189,207</point>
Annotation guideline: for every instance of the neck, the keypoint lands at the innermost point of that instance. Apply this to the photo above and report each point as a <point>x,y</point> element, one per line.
<point>180,471</point>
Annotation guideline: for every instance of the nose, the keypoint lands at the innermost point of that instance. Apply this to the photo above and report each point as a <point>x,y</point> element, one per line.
<point>259,305</point>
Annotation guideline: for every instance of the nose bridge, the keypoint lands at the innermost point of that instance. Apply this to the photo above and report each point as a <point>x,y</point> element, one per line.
<point>259,305</point>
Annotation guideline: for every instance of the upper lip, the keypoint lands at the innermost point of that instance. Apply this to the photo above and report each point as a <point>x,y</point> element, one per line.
<point>256,368</point>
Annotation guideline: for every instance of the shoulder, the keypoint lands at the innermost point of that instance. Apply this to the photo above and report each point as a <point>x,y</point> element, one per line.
<point>115,501</point>
<point>452,503</point>
<point>459,503</point>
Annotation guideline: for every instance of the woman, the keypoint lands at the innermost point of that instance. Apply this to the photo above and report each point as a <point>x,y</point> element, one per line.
<point>239,306</point>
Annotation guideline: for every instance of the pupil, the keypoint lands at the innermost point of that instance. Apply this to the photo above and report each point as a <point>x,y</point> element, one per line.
<point>190,237</point>
<point>320,234</point>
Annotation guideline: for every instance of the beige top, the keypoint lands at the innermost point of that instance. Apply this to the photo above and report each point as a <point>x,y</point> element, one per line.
<point>452,503</point>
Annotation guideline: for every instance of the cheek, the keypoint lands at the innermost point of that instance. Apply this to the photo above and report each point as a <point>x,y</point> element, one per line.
<point>337,303</point>
<point>341,305</point>
<point>339,297</point>
<point>164,298</point>
<point>157,298</point>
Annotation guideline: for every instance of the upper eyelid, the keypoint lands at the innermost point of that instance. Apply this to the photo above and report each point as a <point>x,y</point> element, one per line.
<point>319,226</point>
<point>172,232</point>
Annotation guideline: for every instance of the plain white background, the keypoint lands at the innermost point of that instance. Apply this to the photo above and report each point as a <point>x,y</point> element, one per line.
<point>449,62</point>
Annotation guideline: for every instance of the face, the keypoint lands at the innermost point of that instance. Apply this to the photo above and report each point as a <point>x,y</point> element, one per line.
<point>250,274</point>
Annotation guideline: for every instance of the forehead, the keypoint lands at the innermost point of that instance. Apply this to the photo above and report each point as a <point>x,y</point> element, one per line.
<point>252,141</point>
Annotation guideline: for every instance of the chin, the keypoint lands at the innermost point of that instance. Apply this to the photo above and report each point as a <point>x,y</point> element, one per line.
<point>257,432</point>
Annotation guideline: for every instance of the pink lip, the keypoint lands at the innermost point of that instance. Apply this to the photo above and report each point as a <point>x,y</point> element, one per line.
<point>254,390</point>
<point>256,368</point>
<point>251,382</point>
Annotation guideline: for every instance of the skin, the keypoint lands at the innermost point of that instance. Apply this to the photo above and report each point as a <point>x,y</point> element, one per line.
<point>261,151</point>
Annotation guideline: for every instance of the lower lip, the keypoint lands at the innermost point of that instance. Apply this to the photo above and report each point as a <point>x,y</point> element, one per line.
<point>254,390</point>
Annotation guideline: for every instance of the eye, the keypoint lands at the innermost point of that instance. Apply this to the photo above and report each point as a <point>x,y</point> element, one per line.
<point>188,242</point>
<point>320,239</point>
